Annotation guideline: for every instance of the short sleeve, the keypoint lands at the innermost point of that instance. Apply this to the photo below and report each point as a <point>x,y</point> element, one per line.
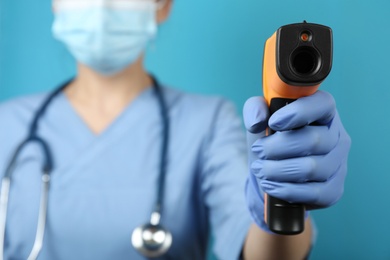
<point>15,115</point>
<point>224,173</point>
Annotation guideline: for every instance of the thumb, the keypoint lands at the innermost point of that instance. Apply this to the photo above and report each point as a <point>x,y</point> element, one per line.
<point>255,115</point>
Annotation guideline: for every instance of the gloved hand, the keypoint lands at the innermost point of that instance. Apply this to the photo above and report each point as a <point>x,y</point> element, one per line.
<point>305,161</point>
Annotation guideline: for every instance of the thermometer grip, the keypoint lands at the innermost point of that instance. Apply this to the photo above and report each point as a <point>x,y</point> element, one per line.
<point>282,217</point>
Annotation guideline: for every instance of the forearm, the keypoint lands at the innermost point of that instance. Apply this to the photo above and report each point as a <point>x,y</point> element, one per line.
<point>262,245</point>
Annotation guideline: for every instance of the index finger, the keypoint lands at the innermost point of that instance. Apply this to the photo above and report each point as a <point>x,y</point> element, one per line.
<point>318,108</point>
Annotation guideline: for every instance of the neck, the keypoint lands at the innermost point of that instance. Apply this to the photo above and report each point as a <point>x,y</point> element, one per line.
<point>98,99</point>
<point>120,88</point>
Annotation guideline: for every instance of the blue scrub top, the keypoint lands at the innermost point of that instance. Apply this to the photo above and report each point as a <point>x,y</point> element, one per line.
<point>103,186</point>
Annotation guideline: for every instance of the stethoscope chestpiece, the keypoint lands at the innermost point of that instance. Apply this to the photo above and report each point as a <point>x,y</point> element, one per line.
<point>152,239</point>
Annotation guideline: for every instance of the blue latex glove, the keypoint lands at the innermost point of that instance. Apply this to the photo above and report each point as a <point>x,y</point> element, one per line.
<point>300,163</point>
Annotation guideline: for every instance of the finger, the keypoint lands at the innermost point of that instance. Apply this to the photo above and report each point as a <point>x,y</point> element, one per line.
<point>318,168</point>
<point>297,170</point>
<point>315,194</point>
<point>309,140</point>
<point>256,114</point>
<point>318,108</point>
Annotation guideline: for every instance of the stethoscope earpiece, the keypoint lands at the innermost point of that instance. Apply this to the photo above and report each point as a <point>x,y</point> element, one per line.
<point>152,239</point>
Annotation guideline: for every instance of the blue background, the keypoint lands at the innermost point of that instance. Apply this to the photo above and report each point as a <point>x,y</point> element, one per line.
<point>216,47</point>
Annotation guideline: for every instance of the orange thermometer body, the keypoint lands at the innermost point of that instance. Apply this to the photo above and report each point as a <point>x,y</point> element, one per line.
<point>297,58</point>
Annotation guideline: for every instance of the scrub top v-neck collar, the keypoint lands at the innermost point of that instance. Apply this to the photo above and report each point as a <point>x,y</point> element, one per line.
<point>131,111</point>
<point>83,140</point>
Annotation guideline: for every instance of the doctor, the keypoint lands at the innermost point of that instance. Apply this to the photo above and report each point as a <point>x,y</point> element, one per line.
<point>105,130</point>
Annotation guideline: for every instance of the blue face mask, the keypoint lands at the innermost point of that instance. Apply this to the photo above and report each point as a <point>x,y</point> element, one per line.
<point>105,35</point>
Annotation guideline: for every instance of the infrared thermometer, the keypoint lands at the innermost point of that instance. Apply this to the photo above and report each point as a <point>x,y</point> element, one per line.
<point>297,58</point>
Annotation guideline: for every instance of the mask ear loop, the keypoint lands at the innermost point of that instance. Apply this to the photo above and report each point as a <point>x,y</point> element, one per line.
<point>160,4</point>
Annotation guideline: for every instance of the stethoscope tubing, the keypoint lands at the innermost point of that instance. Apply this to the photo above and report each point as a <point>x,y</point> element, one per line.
<point>38,243</point>
<point>164,147</point>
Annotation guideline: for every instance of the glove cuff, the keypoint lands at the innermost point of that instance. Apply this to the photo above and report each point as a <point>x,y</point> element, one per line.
<point>256,205</point>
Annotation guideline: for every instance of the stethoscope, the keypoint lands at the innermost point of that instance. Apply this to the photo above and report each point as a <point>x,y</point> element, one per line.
<point>150,239</point>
